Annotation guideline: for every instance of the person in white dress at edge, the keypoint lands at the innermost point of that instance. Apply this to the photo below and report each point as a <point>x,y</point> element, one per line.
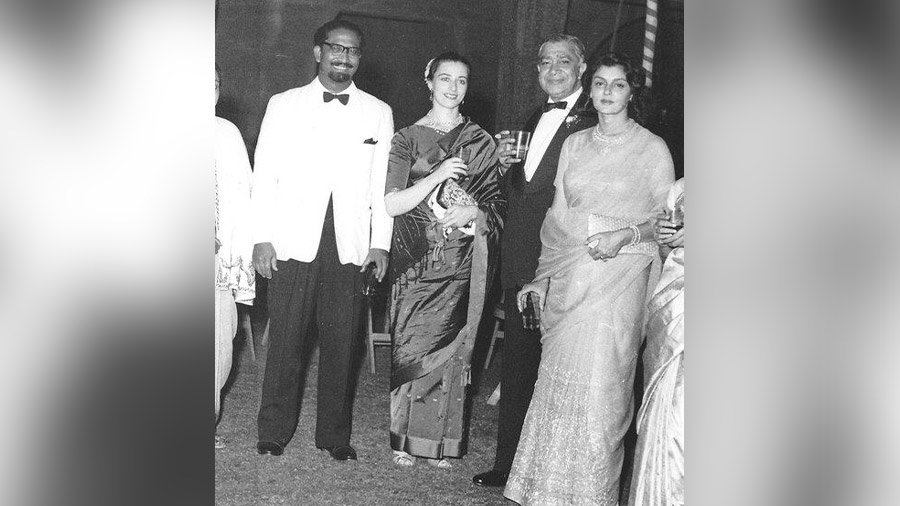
<point>658,477</point>
<point>235,278</point>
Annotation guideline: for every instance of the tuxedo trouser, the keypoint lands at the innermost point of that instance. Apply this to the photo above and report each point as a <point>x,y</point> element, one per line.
<point>327,293</point>
<point>519,370</point>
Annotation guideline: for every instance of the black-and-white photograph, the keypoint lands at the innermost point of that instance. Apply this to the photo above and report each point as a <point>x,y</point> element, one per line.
<point>449,252</point>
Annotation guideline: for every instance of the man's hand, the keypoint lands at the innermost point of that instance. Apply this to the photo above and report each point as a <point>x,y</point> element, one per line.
<point>539,287</point>
<point>506,150</point>
<point>380,258</point>
<point>264,259</point>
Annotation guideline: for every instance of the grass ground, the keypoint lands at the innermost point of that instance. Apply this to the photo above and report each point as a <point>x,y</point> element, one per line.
<point>305,475</point>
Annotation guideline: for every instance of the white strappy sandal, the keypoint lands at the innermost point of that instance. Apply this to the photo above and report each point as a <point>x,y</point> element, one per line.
<point>403,459</point>
<point>440,463</point>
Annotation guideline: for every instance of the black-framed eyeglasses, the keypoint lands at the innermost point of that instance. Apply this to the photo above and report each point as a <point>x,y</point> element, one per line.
<point>337,49</point>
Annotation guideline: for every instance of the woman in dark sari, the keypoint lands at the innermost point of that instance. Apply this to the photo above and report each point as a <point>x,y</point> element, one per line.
<point>442,188</point>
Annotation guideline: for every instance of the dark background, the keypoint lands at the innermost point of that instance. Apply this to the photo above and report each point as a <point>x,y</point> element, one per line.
<point>264,47</point>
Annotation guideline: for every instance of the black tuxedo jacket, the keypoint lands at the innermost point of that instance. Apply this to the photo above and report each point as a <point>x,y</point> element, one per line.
<point>528,201</point>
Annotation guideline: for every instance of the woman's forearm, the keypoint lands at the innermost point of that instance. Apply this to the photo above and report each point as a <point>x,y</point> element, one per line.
<point>403,201</point>
<point>626,236</point>
<point>646,230</point>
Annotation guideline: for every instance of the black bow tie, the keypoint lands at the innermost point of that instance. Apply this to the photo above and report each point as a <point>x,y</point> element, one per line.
<point>328,97</point>
<point>553,105</point>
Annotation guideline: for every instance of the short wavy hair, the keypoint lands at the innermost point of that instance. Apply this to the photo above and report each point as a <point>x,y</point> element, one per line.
<point>336,24</point>
<point>635,76</point>
<point>573,41</point>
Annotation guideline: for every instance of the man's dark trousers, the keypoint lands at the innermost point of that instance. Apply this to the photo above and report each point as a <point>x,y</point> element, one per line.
<point>521,358</point>
<point>328,293</point>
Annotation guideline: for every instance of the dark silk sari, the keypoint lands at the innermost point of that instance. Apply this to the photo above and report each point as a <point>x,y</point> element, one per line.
<point>439,286</point>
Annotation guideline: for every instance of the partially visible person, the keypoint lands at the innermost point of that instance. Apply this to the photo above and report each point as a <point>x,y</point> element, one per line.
<point>443,189</point>
<point>658,477</point>
<point>528,188</point>
<point>234,246</point>
<point>318,222</point>
<point>596,262</point>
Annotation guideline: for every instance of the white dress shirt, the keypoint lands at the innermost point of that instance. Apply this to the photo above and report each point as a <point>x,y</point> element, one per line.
<point>545,131</point>
<point>310,151</point>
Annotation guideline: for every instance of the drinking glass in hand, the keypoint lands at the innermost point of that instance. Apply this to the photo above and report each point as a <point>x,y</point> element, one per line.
<point>370,286</point>
<point>531,316</point>
<point>520,142</point>
<point>465,153</point>
<point>676,215</point>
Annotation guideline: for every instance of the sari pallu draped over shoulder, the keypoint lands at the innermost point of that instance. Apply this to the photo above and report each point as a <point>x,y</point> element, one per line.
<point>411,246</point>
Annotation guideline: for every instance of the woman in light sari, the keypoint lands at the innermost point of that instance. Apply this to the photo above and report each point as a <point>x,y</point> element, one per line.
<point>658,478</point>
<point>596,261</point>
<point>442,187</point>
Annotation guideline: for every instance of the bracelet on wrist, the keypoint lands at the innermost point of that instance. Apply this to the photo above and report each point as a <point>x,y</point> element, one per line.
<point>636,235</point>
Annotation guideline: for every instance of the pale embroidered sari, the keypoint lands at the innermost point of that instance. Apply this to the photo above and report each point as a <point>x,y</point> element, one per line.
<point>571,449</point>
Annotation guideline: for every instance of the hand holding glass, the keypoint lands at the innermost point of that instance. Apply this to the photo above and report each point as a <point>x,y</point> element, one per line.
<point>520,141</point>
<point>676,215</point>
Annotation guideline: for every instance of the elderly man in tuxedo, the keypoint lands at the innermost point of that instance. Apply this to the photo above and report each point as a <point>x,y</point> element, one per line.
<point>528,187</point>
<point>318,222</point>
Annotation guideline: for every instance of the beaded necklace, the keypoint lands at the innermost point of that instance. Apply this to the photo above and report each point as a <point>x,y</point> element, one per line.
<point>608,141</point>
<point>441,126</point>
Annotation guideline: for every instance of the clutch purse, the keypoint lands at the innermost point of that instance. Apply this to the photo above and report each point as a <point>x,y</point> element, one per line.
<point>451,194</point>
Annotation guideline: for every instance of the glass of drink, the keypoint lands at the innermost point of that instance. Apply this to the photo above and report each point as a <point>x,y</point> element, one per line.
<point>531,316</point>
<point>465,153</point>
<point>520,141</point>
<point>676,215</point>
<point>370,285</point>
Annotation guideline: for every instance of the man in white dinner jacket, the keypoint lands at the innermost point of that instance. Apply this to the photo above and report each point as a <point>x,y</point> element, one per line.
<point>318,221</point>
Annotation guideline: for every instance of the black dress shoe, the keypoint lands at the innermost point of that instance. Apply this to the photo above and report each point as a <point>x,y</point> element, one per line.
<point>341,452</point>
<point>491,478</point>
<point>269,448</point>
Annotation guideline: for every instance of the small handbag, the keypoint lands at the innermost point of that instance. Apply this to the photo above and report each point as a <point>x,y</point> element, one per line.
<point>451,194</point>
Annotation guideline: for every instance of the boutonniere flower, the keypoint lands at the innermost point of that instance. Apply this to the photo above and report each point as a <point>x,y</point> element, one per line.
<point>571,121</point>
